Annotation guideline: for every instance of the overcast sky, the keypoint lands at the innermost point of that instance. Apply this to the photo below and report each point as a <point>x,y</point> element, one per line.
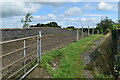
<point>76,14</point>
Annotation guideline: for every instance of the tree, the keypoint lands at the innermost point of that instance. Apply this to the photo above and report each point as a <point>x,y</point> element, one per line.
<point>26,20</point>
<point>118,21</point>
<point>105,25</point>
<point>51,24</point>
<point>71,27</point>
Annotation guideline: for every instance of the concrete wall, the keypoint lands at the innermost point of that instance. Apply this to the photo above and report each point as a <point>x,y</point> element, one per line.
<point>103,57</point>
<point>9,34</point>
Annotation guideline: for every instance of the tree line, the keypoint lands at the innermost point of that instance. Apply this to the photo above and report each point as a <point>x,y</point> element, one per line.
<point>104,26</point>
<point>51,24</point>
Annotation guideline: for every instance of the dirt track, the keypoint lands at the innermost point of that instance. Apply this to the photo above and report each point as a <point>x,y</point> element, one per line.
<point>48,43</point>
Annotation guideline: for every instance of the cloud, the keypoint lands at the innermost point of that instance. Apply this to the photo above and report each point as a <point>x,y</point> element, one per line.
<point>79,22</point>
<point>104,6</point>
<point>98,15</point>
<point>45,18</point>
<point>66,21</point>
<point>54,4</point>
<point>51,16</point>
<point>14,11</point>
<point>83,20</point>
<point>42,0</point>
<point>18,8</point>
<point>12,22</point>
<point>15,22</point>
<point>61,0</point>
<point>88,6</point>
<point>54,11</point>
<point>74,11</point>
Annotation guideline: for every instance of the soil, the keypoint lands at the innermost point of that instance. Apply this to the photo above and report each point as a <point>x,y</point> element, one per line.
<point>48,43</point>
<point>42,73</point>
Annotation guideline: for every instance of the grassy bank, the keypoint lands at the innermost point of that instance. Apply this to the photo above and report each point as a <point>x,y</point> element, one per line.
<point>70,63</point>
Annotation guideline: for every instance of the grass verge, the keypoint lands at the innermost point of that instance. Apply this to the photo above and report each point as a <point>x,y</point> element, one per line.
<point>71,65</point>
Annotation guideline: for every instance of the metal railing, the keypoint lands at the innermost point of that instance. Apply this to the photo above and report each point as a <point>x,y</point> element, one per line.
<point>25,56</point>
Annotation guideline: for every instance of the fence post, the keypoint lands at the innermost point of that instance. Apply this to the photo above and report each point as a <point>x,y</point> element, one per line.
<point>97,32</point>
<point>39,47</point>
<point>88,30</point>
<point>93,30</point>
<point>77,35</point>
<point>82,31</point>
<point>24,56</point>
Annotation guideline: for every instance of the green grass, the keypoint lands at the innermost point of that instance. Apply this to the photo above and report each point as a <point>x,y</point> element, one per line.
<point>71,65</point>
<point>102,77</point>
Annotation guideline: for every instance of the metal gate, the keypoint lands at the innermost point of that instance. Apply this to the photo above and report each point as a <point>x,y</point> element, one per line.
<point>17,61</point>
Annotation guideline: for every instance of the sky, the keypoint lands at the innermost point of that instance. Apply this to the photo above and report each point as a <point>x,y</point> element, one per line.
<point>66,14</point>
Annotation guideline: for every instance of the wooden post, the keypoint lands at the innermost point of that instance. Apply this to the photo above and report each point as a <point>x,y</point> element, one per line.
<point>77,34</point>
<point>88,31</point>
<point>82,31</point>
<point>97,32</point>
<point>93,30</point>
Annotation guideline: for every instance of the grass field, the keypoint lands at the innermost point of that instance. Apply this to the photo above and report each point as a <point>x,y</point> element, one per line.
<point>69,63</point>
